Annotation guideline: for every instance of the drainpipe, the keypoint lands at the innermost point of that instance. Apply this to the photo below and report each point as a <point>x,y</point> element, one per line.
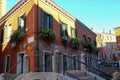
<point>36,58</point>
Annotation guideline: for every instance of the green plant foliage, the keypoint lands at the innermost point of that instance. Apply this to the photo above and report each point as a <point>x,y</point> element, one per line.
<point>65,40</point>
<point>74,43</point>
<point>90,46</point>
<point>47,34</point>
<point>18,35</point>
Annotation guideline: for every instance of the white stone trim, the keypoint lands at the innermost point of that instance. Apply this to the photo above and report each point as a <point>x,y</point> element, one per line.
<point>44,52</point>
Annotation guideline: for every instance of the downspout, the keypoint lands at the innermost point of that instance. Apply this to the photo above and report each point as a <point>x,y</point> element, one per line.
<point>36,58</point>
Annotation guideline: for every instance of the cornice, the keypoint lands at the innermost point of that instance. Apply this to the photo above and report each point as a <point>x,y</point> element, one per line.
<point>66,14</point>
<point>117,28</point>
<point>20,4</point>
<point>51,4</point>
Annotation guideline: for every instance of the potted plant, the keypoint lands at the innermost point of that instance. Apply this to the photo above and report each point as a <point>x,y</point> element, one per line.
<point>47,34</point>
<point>17,35</point>
<point>74,43</point>
<point>90,47</point>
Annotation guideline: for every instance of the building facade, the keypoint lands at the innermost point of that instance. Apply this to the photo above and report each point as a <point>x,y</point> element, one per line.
<point>32,16</point>
<point>106,42</point>
<point>117,33</point>
<point>2,7</point>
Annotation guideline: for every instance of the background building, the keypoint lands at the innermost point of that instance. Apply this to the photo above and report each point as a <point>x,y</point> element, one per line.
<point>106,42</point>
<point>117,33</point>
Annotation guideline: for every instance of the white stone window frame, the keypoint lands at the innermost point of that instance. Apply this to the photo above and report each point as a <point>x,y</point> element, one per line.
<point>44,52</point>
<point>9,31</point>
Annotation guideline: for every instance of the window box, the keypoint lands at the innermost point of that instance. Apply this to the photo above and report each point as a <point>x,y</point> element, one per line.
<point>18,35</point>
<point>90,47</point>
<point>74,43</point>
<point>47,34</point>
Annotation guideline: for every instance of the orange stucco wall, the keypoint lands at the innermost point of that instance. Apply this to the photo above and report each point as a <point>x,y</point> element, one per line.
<point>32,10</point>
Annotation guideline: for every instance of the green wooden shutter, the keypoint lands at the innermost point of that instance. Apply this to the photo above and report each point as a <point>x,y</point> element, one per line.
<point>25,22</point>
<point>66,29</point>
<point>76,33</point>
<point>51,22</point>
<point>2,35</point>
<point>61,30</point>
<point>19,23</point>
<point>42,18</point>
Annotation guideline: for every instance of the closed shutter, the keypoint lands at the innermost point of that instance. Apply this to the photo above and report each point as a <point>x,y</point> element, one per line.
<point>66,30</point>
<point>76,33</point>
<point>61,30</point>
<point>42,18</point>
<point>51,22</point>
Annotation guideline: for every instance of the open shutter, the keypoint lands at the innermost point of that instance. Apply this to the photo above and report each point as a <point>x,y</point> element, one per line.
<point>25,22</point>
<point>42,18</point>
<point>76,33</point>
<point>66,30</point>
<point>2,35</point>
<point>51,22</point>
<point>19,23</point>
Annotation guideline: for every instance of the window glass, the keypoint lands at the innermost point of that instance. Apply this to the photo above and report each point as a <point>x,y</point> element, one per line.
<point>73,33</point>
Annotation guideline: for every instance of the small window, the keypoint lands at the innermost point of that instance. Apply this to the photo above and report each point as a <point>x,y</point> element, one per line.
<point>104,56</point>
<point>7,64</point>
<point>63,29</point>
<point>101,44</point>
<point>75,63</point>
<point>46,20</point>
<point>22,22</point>
<point>89,39</point>
<point>100,35</point>
<point>95,43</point>
<point>65,62</point>
<point>84,37</point>
<point>73,33</point>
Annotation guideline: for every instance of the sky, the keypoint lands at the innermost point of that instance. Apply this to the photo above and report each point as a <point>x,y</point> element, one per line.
<point>96,14</point>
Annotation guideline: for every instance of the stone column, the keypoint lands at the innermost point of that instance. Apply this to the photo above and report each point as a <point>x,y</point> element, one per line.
<point>83,67</point>
<point>116,75</point>
<point>57,62</point>
<point>2,76</point>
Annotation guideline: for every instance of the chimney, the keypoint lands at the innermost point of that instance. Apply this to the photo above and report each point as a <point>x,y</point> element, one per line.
<point>103,30</point>
<point>109,31</point>
<point>2,7</point>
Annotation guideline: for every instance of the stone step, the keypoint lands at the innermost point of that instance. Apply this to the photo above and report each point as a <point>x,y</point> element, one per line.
<point>79,75</point>
<point>87,78</point>
<point>75,73</point>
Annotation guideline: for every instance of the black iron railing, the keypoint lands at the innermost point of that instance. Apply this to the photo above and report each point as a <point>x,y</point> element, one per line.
<point>90,63</point>
<point>91,67</point>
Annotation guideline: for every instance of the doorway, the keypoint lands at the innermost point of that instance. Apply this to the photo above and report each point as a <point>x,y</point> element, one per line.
<point>20,61</point>
<point>47,58</point>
